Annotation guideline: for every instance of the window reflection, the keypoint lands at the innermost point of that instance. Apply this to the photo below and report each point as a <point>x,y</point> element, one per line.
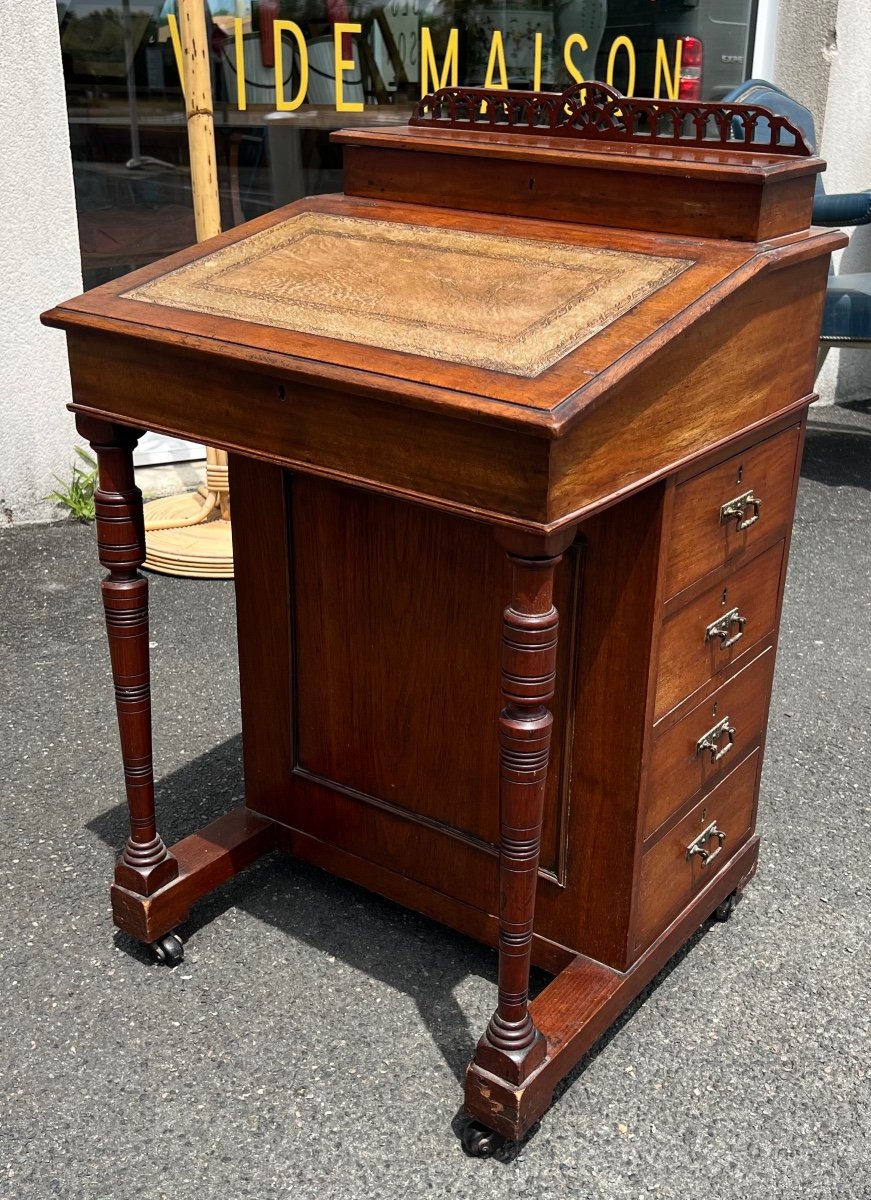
<point>287,72</point>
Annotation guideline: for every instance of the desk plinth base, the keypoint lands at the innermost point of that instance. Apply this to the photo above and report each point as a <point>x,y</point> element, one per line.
<point>573,1012</point>
<point>206,859</point>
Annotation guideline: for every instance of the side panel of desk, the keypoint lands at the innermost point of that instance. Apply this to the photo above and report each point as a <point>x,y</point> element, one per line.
<point>369,642</point>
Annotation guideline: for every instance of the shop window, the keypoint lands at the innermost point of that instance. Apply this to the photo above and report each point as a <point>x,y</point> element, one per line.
<point>288,72</point>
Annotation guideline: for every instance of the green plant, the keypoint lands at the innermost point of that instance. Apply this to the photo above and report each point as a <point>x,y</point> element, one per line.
<point>78,494</point>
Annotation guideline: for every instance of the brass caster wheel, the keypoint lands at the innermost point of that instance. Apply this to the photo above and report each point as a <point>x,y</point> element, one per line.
<point>481,1142</point>
<point>168,950</point>
<point>726,907</point>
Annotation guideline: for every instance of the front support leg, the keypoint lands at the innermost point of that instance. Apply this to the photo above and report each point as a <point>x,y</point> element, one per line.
<point>145,864</point>
<point>512,1048</point>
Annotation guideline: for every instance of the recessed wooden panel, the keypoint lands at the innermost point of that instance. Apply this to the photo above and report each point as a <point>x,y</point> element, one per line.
<point>397,648</point>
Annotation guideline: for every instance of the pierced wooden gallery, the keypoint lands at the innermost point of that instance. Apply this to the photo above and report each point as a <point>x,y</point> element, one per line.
<point>514,428</point>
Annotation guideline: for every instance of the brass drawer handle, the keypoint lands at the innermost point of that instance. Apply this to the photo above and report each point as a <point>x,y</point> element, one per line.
<point>735,510</point>
<point>700,844</point>
<point>722,628</point>
<point>711,740</point>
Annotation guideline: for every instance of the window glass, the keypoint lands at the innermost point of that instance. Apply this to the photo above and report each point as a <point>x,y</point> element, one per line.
<point>288,72</point>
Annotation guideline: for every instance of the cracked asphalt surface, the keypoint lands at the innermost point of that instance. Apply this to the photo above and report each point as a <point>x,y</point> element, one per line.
<point>313,1041</point>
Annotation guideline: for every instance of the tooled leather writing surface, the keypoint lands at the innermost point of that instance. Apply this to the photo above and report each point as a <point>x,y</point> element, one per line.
<point>419,289</point>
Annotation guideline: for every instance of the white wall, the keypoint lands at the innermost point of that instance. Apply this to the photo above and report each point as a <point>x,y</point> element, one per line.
<point>822,58</point>
<point>39,261</point>
<point>846,146</point>
<point>804,49</point>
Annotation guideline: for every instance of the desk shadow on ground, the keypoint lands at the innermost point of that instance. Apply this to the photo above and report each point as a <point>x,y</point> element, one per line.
<point>400,948</point>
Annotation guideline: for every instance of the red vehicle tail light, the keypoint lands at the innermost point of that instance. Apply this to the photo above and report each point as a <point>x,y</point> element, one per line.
<point>691,60</point>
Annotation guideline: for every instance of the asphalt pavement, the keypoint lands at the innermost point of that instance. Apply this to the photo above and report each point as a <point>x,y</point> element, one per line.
<point>313,1042</point>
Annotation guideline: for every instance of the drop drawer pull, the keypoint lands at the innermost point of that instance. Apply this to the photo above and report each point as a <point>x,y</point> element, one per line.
<point>722,628</point>
<point>735,510</point>
<point>700,844</point>
<point>711,740</point>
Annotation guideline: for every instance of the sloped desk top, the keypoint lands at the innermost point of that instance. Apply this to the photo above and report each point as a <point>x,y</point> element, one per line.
<point>672,281</point>
<point>482,336</point>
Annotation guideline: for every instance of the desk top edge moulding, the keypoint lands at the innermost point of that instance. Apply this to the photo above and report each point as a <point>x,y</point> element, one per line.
<point>514,428</point>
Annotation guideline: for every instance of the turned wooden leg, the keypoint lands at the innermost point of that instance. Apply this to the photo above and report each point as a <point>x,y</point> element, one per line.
<point>145,864</point>
<point>512,1047</point>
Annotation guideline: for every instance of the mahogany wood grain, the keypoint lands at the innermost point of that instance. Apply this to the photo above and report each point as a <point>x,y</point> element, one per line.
<point>689,656</point>
<point>452,463</point>
<point>701,541</point>
<point>368,484</point>
<point>668,877</point>
<point>363,574</point>
<point>561,395</point>
<point>643,157</point>
<point>145,864</point>
<point>614,646</point>
<point>744,207</point>
<point>262,573</point>
<point>460,467</point>
<point>417,381</point>
<point>433,853</point>
<point>205,860</point>
<point>678,769</point>
<point>747,361</point>
<point>583,1001</point>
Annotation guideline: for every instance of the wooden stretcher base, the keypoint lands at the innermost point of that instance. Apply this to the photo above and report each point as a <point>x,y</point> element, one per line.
<point>574,1010</point>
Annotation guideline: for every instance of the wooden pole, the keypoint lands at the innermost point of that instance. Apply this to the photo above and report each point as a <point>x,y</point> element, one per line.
<point>196,56</point>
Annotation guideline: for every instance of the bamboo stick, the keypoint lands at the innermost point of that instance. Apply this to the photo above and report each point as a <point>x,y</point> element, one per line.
<point>196,56</point>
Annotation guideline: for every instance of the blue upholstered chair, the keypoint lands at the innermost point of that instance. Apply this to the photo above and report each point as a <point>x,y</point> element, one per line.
<point>847,316</point>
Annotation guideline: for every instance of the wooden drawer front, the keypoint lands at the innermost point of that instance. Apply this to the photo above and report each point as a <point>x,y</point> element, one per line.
<point>723,623</point>
<point>679,768</point>
<point>669,879</point>
<point>700,540</point>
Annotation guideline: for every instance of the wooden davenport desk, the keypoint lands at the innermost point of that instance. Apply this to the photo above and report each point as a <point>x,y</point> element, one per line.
<point>545,355</point>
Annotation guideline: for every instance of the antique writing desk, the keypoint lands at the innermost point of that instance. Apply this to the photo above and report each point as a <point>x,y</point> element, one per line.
<point>546,355</point>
